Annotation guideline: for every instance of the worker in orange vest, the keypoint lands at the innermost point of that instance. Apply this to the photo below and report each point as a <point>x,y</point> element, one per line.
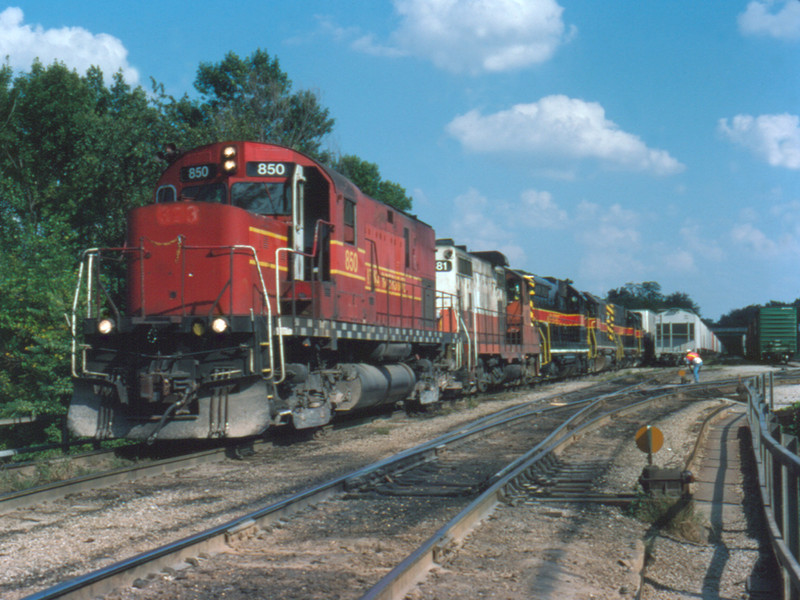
<point>693,360</point>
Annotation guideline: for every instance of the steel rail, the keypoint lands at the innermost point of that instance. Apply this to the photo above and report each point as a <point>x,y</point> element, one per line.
<point>59,489</point>
<point>399,580</point>
<point>216,539</point>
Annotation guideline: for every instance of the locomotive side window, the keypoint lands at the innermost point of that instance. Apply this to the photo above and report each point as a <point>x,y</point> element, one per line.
<point>164,194</point>
<point>263,198</point>
<point>211,192</point>
<point>464,266</point>
<point>407,240</point>
<point>349,221</point>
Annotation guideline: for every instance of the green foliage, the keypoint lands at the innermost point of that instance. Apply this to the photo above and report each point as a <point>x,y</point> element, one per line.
<point>367,177</point>
<point>742,317</point>
<point>36,286</point>
<point>648,295</point>
<point>676,516</point>
<point>252,99</point>
<point>77,155</point>
<point>77,152</point>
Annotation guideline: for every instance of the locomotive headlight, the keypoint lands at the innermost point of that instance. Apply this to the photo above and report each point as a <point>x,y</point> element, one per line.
<point>105,326</point>
<point>198,328</point>
<point>229,159</point>
<point>219,325</point>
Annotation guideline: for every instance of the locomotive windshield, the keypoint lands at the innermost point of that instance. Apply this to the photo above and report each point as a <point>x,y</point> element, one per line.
<point>210,192</point>
<point>262,197</point>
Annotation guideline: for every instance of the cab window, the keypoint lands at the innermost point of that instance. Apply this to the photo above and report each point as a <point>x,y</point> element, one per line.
<point>165,194</point>
<point>349,221</point>
<point>210,192</point>
<point>261,197</point>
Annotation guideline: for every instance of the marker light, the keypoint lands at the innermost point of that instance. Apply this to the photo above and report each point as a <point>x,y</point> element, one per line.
<point>105,326</point>
<point>219,325</point>
<point>198,328</point>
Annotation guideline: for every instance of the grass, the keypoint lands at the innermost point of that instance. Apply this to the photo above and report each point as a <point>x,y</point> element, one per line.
<point>48,471</point>
<point>674,515</point>
<point>40,474</point>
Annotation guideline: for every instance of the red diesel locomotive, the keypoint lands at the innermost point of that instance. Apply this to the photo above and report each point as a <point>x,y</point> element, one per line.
<point>261,288</point>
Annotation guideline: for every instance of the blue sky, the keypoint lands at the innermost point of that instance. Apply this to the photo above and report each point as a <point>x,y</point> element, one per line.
<point>613,142</point>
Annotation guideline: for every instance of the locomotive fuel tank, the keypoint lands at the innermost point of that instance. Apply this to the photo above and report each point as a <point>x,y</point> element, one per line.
<point>363,385</point>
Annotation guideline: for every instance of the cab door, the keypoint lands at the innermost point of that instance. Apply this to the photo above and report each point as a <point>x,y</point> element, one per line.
<point>298,224</point>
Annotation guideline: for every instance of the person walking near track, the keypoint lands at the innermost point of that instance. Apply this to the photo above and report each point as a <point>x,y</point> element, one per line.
<point>693,360</point>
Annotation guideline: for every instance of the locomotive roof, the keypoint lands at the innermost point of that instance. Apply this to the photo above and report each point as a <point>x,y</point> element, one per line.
<point>341,182</point>
<point>498,259</point>
<point>348,187</point>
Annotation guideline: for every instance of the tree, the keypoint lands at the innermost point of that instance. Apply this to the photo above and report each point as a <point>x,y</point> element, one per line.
<point>645,295</point>
<point>367,177</point>
<point>36,287</point>
<point>648,296</point>
<point>252,99</point>
<point>76,151</point>
<point>681,300</point>
<point>75,156</point>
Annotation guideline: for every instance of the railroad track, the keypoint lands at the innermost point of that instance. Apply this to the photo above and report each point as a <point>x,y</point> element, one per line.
<point>74,532</point>
<point>92,481</point>
<point>424,487</point>
<point>143,461</point>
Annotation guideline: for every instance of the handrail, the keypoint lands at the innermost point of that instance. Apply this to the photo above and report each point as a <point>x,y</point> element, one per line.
<point>779,481</point>
<point>87,264</point>
<point>312,254</point>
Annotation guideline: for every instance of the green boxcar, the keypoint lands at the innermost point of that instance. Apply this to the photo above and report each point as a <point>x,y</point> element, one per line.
<point>773,335</point>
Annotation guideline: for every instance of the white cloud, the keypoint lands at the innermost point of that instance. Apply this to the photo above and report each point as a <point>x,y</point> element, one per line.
<point>473,36</point>
<point>474,227</point>
<point>680,260</point>
<point>74,46</point>
<point>696,246</point>
<point>611,245</point>
<point>539,210</point>
<point>754,240</point>
<point>759,19</point>
<point>775,138</point>
<point>560,126</point>
<point>480,35</point>
<point>769,235</point>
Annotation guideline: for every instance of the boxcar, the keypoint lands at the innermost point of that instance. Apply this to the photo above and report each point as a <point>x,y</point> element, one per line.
<point>772,335</point>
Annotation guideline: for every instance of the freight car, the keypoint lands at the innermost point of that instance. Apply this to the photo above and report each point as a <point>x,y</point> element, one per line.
<point>772,334</point>
<point>261,288</point>
<point>676,331</point>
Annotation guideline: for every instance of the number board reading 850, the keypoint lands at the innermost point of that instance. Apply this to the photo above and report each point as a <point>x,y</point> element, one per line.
<point>198,172</point>
<point>268,169</point>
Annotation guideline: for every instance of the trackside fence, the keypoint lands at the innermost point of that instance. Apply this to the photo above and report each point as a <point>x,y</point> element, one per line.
<point>778,463</point>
